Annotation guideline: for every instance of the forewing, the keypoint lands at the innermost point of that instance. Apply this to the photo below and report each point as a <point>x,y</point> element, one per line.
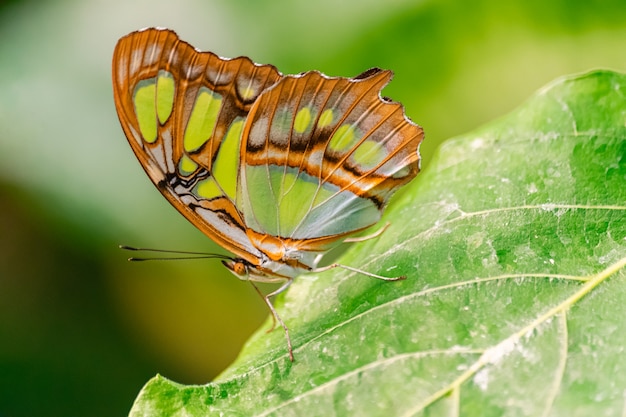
<point>183,111</point>
<point>324,155</point>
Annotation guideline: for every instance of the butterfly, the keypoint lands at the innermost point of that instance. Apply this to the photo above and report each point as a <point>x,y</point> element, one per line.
<point>277,169</point>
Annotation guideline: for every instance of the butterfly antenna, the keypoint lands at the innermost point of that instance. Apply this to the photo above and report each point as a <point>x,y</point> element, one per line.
<point>196,255</point>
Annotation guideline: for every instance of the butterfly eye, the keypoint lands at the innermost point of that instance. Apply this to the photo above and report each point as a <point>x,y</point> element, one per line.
<point>237,267</point>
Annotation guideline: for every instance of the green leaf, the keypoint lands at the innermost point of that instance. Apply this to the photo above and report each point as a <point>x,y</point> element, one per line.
<point>514,243</point>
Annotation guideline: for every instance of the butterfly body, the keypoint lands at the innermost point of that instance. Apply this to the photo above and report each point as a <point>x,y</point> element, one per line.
<point>275,168</point>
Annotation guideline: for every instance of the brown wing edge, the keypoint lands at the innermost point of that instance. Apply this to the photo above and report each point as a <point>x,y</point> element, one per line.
<point>129,58</point>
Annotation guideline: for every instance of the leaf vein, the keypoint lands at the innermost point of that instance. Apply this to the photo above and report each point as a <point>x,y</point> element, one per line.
<point>560,371</point>
<point>372,365</point>
<point>486,358</point>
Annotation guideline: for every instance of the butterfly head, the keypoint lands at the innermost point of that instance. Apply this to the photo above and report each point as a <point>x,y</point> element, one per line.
<point>246,271</point>
<point>238,267</point>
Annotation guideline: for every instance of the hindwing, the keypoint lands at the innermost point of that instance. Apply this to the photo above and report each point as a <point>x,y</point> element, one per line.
<point>323,155</point>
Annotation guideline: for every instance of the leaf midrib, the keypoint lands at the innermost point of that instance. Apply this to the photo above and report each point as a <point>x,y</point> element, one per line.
<point>560,309</point>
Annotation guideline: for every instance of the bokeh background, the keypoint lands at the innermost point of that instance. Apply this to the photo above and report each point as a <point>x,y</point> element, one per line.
<point>81,329</point>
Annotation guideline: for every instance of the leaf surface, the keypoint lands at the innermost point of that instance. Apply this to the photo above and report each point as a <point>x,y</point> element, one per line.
<point>514,243</point>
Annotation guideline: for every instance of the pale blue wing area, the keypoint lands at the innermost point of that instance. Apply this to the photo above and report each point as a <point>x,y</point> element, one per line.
<point>282,201</point>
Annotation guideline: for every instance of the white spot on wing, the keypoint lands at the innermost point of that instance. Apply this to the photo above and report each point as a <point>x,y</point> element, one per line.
<point>258,132</point>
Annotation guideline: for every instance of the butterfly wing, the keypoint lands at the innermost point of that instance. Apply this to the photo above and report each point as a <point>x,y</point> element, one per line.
<point>183,111</point>
<point>322,156</point>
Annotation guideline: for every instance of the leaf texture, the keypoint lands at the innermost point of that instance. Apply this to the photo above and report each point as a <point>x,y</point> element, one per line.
<point>514,243</point>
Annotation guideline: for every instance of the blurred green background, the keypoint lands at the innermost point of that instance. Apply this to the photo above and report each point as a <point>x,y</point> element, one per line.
<point>81,329</point>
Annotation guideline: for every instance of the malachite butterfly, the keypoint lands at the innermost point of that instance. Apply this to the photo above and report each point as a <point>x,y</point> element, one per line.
<point>275,168</point>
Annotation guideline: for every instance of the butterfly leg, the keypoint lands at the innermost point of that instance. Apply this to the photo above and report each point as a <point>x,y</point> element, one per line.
<point>358,271</point>
<point>273,326</point>
<point>368,237</point>
<point>275,316</point>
